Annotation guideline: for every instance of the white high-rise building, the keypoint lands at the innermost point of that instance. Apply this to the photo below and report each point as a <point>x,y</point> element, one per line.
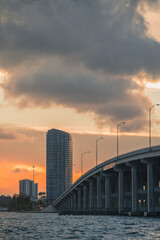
<point>58,163</point>
<point>29,188</point>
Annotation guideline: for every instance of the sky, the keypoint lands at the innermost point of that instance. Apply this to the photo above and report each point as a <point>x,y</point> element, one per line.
<point>80,66</point>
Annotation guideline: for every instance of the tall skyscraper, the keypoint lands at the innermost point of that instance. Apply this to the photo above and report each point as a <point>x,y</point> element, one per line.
<point>29,188</point>
<point>58,163</point>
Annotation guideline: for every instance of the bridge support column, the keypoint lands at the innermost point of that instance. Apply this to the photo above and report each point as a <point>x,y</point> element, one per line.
<point>98,193</point>
<point>150,199</point>
<point>79,199</point>
<point>68,202</point>
<point>134,188</point>
<point>133,166</point>
<point>74,201</point>
<point>64,205</point>
<point>84,197</point>
<point>107,192</point>
<point>150,185</point>
<point>91,194</point>
<point>120,191</point>
<point>71,202</point>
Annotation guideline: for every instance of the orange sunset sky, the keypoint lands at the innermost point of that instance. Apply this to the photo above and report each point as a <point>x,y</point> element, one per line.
<point>81,67</point>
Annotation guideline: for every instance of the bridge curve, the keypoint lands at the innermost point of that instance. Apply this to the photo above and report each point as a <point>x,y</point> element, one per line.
<point>127,184</point>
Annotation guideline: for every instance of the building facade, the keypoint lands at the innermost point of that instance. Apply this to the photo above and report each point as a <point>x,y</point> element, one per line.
<point>29,188</point>
<point>58,163</point>
<point>5,200</point>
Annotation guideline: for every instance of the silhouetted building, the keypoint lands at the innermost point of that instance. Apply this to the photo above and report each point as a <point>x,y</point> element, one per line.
<point>58,163</point>
<point>5,200</point>
<point>36,190</point>
<point>29,188</point>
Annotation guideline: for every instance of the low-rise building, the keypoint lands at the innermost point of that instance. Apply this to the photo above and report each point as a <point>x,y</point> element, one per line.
<point>5,200</point>
<point>29,188</point>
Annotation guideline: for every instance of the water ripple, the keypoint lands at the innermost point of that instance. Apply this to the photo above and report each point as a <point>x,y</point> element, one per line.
<point>31,226</point>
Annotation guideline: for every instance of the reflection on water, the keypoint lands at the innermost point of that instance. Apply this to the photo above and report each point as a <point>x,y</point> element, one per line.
<point>52,226</point>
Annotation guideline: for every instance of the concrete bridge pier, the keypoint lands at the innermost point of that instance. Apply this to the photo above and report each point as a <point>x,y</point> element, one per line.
<point>133,166</point>
<point>79,199</point>
<point>71,202</point>
<point>84,197</point>
<point>120,189</point>
<point>98,193</point>
<point>64,204</point>
<point>74,201</point>
<point>150,186</point>
<point>91,194</point>
<point>134,188</point>
<point>107,191</point>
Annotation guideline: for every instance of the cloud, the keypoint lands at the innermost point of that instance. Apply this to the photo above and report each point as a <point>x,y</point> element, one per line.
<point>78,54</point>
<point>18,170</point>
<point>108,99</point>
<point>103,35</point>
<point>6,135</point>
<point>20,134</point>
<point>27,169</point>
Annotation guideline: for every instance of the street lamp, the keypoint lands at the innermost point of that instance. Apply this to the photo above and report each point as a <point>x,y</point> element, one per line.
<point>82,161</point>
<point>97,148</point>
<point>150,123</point>
<point>118,125</point>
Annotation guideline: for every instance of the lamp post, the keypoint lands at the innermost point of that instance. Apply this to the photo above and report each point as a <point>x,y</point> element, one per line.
<point>118,125</point>
<point>150,109</point>
<point>97,148</point>
<point>82,160</point>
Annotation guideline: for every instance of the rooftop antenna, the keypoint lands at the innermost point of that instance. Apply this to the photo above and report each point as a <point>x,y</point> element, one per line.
<point>33,172</point>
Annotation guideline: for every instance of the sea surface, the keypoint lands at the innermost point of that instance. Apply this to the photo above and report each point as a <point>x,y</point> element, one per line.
<point>52,226</point>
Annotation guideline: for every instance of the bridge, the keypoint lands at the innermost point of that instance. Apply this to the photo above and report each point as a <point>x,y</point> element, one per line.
<point>129,184</point>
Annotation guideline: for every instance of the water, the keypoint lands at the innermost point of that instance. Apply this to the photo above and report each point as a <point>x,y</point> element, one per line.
<point>51,226</point>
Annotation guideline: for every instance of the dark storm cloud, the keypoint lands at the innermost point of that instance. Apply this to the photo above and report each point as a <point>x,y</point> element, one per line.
<point>106,35</point>
<point>111,98</point>
<point>65,87</point>
<point>105,40</point>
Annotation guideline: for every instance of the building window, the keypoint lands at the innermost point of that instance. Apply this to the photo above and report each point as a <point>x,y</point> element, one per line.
<point>144,203</point>
<point>139,202</point>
